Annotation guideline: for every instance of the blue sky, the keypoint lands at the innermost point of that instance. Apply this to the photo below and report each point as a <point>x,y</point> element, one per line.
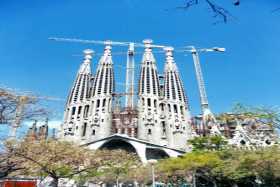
<point>248,72</point>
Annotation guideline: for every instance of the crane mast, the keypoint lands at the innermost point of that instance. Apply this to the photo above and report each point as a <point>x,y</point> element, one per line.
<point>208,118</point>
<point>200,82</point>
<point>129,86</point>
<point>21,100</point>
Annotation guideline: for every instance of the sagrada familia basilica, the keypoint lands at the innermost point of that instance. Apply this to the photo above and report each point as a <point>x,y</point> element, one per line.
<point>155,121</point>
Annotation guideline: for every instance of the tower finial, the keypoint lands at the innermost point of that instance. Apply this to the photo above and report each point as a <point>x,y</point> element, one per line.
<point>169,54</point>
<point>88,55</point>
<point>147,43</point>
<point>108,48</point>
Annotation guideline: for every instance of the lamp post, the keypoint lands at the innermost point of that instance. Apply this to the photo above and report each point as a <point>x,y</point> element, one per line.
<point>153,162</point>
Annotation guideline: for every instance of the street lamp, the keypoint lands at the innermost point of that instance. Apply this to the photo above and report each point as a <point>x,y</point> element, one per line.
<point>153,162</point>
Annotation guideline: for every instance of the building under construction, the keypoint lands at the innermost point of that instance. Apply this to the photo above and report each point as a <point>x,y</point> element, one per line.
<point>155,121</point>
<point>156,115</point>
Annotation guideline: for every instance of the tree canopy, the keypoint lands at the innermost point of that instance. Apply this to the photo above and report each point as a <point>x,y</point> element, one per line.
<point>227,167</point>
<point>56,159</point>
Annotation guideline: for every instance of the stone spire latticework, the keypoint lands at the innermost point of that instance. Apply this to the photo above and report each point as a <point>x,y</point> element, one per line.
<point>77,102</point>
<point>149,95</point>
<point>178,120</point>
<point>101,98</point>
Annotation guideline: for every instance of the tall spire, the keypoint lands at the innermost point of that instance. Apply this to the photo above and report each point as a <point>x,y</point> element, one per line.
<point>178,115</point>
<point>174,89</point>
<point>149,95</point>
<point>80,90</point>
<point>78,97</point>
<point>104,82</point>
<point>101,99</point>
<point>149,81</point>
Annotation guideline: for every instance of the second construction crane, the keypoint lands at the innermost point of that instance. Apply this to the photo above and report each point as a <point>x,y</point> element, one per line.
<point>208,117</point>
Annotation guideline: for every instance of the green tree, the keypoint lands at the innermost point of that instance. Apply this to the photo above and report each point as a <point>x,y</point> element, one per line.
<point>228,167</point>
<point>56,159</point>
<point>208,143</point>
<point>118,165</point>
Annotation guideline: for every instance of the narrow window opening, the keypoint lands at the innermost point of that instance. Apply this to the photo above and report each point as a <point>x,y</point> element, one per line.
<point>73,111</point>
<point>84,129</point>
<point>86,111</point>
<point>175,109</point>
<point>79,110</point>
<point>162,107</point>
<point>104,103</point>
<point>182,110</point>
<point>149,102</point>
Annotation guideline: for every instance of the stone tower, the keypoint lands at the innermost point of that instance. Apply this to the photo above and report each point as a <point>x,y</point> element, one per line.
<point>177,120</point>
<point>77,106</point>
<point>101,98</point>
<point>149,95</point>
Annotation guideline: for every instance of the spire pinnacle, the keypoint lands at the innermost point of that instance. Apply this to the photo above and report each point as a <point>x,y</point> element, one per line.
<point>85,66</point>
<point>88,54</point>
<point>169,59</point>
<point>108,49</point>
<point>169,54</point>
<point>148,55</point>
<point>147,43</point>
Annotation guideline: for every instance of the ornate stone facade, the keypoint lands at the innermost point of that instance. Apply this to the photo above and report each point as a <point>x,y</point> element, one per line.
<point>160,117</point>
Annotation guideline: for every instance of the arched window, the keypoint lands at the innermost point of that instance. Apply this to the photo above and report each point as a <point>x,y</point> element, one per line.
<point>161,105</point>
<point>86,111</point>
<point>84,129</point>
<point>163,126</point>
<point>79,110</point>
<point>97,103</point>
<point>155,103</point>
<point>149,102</point>
<point>73,111</point>
<point>182,110</point>
<point>149,131</point>
<point>175,109</point>
<point>109,105</point>
<point>104,103</point>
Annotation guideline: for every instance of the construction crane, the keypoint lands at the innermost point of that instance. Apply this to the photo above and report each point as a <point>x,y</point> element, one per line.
<point>208,117</point>
<point>106,42</point>
<point>130,69</point>
<point>21,100</point>
<point>130,65</point>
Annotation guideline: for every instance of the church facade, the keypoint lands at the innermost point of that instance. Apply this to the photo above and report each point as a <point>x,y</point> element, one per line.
<point>160,118</point>
<point>155,121</point>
